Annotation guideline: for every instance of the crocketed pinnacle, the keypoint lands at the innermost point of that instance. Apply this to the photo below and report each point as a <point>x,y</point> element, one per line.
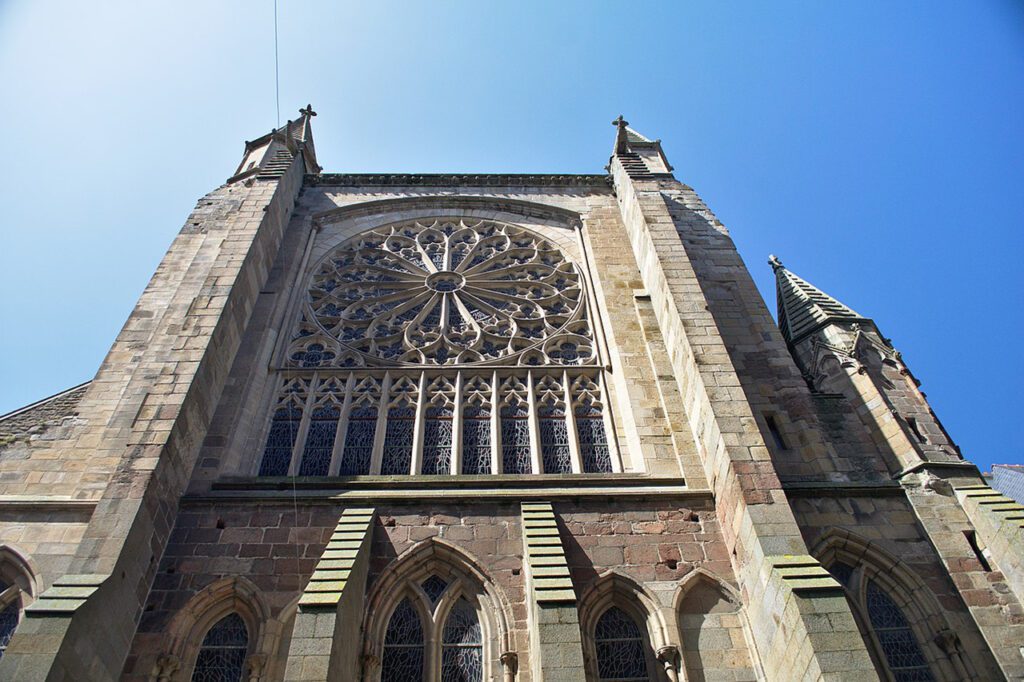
<point>804,308</point>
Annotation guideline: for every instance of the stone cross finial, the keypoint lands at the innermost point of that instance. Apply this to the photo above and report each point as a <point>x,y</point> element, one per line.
<point>308,111</point>
<point>620,136</point>
<point>774,261</point>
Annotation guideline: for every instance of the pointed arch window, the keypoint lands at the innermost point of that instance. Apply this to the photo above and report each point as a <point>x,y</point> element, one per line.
<point>16,592</point>
<point>888,632</point>
<point>10,616</point>
<point>403,646</point>
<point>436,632</point>
<point>900,646</point>
<point>222,655</point>
<point>620,648</point>
<point>462,648</point>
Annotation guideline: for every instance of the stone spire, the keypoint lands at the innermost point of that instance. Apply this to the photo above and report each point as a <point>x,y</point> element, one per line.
<point>269,156</point>
<point>804,308</point>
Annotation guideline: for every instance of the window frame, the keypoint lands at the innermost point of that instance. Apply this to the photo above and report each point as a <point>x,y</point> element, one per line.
<point>572,383</point>
<point>856,596</point>
<point>433,619</point>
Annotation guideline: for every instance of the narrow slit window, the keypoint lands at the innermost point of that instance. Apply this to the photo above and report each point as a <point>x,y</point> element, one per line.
<point>773,428</point>
<point>979,552</point>
<point>912,423</point>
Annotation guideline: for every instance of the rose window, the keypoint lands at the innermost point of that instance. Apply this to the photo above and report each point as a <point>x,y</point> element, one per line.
<point>445,291</point>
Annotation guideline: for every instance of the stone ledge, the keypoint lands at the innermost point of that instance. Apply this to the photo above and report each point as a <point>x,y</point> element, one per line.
<point>602,181</point>
<point>414,496</point>
<point>67,595</point>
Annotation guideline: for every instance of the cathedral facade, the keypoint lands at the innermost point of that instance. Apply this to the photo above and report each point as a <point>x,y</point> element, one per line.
<point>504,428</point>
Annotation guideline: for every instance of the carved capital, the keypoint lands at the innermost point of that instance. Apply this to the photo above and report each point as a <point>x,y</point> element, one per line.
<point>669,657</point>
<point>510,660</point>
<point>166,665</point>
<point>256,663</point>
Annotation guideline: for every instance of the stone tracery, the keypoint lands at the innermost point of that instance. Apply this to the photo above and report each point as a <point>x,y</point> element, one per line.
<point>441,292</point>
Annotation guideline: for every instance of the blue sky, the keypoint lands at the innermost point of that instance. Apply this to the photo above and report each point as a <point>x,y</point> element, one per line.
<point>876,147</point>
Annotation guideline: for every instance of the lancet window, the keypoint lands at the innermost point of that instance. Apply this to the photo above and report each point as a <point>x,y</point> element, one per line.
<point>620,648</point>
<point>222,656</point>
<point>441,347</point>
<point>890,632</point>
<point>434,634</point>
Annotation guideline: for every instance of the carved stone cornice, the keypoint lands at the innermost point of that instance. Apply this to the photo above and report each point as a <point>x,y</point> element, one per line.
<point>594,181</point>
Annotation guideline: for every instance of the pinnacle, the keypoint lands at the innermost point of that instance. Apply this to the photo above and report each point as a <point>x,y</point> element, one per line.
<point>804,308</point>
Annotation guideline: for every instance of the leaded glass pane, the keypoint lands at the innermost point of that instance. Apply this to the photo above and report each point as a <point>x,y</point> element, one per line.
<point>476,441</point>
<point>323,426</point>
<point>222,656</point>
<point>842,572</point>
<point>437,441</point>
<point>593,445</point>
<point>901,649</point>
<point>434,587</point>
<point>277,454</point>
<point>398,442</point>
<point>515,441</point>
<point>355,458</point>
<point>403,646</point>
<point>620,648</point>
<point>554,442</point>
<point>8,624</point>
<point>462,651</point>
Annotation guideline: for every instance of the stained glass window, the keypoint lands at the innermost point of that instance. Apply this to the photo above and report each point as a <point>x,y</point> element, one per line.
<point>515,440</point>
<point>222,656</point>
<point>437,441</point>
<point>355,458</point>
<point>398,442</point>
<point>462,650</point>
<point>620,648</point>
<point>323,426</point>
<point>593,444</point>
<point>277,454</point>
<point>901,649</point>
<point>554,441</point>
<point>843,573</point>
<point>403,646</point>
<point>434,587</point>
<point>8,624</point>
<point>476,440</point>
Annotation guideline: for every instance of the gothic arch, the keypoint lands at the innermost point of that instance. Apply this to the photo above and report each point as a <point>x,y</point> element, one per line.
<point>236,594</point>
<point>17,567</point>
<point>18,589</point>
<point>614,590</point>
<point>463,576</point>
<point>708,607</point>
<point>937,640</point>
<point>464,204</point>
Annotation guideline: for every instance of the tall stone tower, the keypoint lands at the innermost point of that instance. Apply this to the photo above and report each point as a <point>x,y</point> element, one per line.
<point>401,427</point>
